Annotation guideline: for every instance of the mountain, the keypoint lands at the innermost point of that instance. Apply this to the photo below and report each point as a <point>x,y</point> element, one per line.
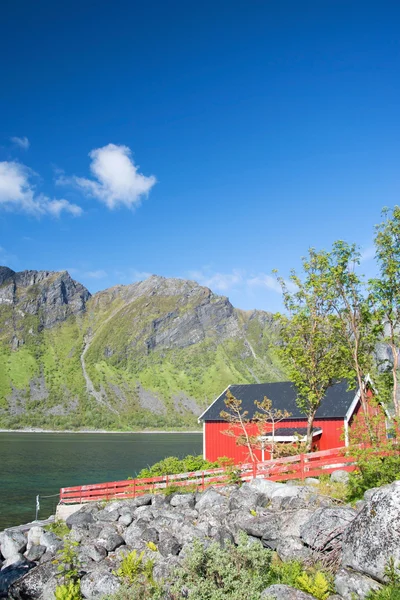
<point>149,354</point>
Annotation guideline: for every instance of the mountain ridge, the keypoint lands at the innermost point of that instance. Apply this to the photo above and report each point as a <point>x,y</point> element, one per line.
<point>148,354</point>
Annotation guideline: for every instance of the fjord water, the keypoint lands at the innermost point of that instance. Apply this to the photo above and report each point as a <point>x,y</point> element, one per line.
<point>42,463</point>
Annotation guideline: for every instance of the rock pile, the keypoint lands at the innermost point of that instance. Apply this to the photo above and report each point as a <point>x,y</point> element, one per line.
<point>293,520</point>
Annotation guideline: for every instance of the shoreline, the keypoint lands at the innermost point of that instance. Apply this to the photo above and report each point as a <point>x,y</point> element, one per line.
<point>95,431</point>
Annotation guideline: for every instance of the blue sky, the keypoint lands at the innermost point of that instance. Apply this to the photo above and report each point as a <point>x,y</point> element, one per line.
<point>214,140</point>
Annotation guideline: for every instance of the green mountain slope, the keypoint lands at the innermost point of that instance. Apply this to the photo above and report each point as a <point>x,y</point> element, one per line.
<point>150,354</point>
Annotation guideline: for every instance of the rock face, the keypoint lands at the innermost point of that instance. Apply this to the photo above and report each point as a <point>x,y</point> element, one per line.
<point>53,296</point>
<point>373,538</point>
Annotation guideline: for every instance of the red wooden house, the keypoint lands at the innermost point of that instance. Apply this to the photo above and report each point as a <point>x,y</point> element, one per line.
<point>332,424</point>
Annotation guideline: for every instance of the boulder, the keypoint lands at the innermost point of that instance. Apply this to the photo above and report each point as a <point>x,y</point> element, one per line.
<point>99,583</point>
<point>12,542</point>
<point>108,516</point>
<point>17,560</point>
<point>50,541</point>
<point>168,545</point>
<point>125,519</point>
<point>150,535</point>
<point>164,567</point>
<point>247,497</point>
<point>95,552</point>
<point>284,592</point>
<point>34,535</point>
<point>211,500</point>
<point>265,486</point>
<point>373,538</point>
<point>263,526</point>
<point>183,500</point>
<point>80,519</point>
<point>144,500</point>
<point>32,583</point>
<point>110,539</point>
<point>293,497</point>
<point>35,552</point>
<point>340,476</point>
<point>291,548</point>
<point>325,526</point>
<point>349,584</point>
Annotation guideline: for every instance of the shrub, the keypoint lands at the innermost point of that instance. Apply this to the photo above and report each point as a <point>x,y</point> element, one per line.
<point>134,567</point>
<point>216,573</point>
<point>172,465</point>
<point>373,471</point>
<point>69,591</point>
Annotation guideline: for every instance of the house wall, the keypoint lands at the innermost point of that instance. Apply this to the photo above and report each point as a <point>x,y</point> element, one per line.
<point>217,444</point>
<point>358,428</point>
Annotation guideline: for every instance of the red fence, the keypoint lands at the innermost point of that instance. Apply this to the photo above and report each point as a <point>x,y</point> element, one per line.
<point>281,469</point>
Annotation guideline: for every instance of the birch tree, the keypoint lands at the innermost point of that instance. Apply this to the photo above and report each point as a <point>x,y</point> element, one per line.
<point>385,290</point>
<point>310,348</point>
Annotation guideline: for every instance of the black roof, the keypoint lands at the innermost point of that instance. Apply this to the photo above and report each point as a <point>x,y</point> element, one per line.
<point>283,395</point>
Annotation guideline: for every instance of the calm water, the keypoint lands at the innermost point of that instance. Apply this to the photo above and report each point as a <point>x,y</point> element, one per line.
<point>42,463</point>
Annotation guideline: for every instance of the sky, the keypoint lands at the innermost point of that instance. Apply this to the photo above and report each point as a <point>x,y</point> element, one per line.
<point>214,140</point>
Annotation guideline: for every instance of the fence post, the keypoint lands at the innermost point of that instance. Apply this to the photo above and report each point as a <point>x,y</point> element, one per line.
<point>302,466</point>
<point>166,481</point>
<point>134,488</point>
<point>254,470</point>
<point>202,480</point>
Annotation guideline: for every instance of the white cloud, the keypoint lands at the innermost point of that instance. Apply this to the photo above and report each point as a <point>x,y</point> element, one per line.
<point>238,278</point>
<point>17,193</point>
<point>21,142</point>
<point>100,274</point>
<point>116,181</point>
<point>219,281</point>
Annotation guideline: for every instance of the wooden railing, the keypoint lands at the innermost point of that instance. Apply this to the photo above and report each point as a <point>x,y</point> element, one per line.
<point>281,469</point>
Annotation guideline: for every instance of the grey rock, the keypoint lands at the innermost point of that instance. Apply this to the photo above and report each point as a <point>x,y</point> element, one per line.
<point>246,497</point>
<point>35,552</point>
<point>12,543</point>
<point>265,486</point>
<point>292,497</point>
<point>340,476</point>
<point>9,575</point>
<point>223,536</point>
<point>168,545</point>
<point>369,493</point>
<point>326,526</point>
<point>80,519</point>
<point>78,534</point>
<point>93,532</point>
<point>211,499</point>
<point>33,536</point>
<point>15,560</point>
<point>110,540</point>
<point>291,548</point>
<point>99,583</point>
<point>50,541</point>
<point>144,500</point>
<point>150,535</point>
<point>108,516</point>
<point>94,552</point>
<point>284,592</point>
<point>374,536</point>
<point>263,526</point>
<point>349,584</point>
<point>182,500</point>
<point>31,585</point>
<point>134,532</point>
<point>126,519</point>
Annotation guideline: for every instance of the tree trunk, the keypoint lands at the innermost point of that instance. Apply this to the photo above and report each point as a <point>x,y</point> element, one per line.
<point>310,427</point>
<point>395,382</point>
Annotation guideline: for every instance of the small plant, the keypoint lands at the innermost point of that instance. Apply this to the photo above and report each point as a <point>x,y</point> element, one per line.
<point>231,470</point>
<point>317,584</point>
<point>69,591</point>
<point>152,546</point>
<point>253,512</point>
<point>59,528</point>
<point>134,566</point>
<point>68,572</point>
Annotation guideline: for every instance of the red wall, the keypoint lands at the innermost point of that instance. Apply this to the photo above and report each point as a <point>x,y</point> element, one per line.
<point>217,444</point>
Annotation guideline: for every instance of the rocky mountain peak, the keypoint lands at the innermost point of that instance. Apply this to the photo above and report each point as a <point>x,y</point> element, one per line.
<point>50,295</point>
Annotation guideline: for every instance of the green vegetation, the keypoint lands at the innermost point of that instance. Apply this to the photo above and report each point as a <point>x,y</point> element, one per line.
<point>219,573</point>
<point>69,587</point>
<point>60,528</point>
<point>173,466</point>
